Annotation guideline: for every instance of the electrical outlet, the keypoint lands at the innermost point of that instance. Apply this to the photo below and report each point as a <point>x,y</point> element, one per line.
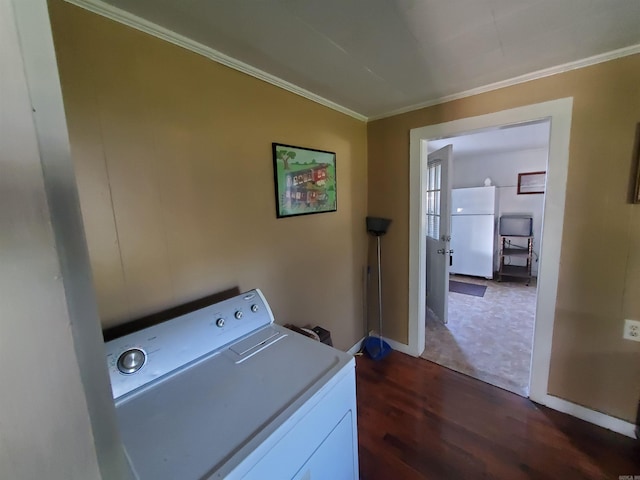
<point>631,330</point>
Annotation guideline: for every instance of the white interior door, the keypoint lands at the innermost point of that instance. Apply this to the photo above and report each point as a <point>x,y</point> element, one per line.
<point>438,223</point>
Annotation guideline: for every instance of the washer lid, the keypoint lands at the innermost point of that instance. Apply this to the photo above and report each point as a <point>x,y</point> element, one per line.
<point>205,419</point>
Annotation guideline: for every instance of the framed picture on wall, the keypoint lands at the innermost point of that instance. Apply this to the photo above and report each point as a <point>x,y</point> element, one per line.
<point>531,182</point>
<point>636,161</point>
<point>305,180</point>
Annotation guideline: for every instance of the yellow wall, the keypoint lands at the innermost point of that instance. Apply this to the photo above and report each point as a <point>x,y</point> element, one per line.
<point>599,282</point>
<point>173,159</point>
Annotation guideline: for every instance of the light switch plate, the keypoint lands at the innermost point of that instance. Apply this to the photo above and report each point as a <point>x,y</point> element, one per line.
<point>631,330</point>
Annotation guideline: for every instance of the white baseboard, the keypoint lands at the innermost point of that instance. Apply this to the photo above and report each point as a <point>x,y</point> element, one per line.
<point>356,347</point>
<point>400,347</point>
<point>597,418</point>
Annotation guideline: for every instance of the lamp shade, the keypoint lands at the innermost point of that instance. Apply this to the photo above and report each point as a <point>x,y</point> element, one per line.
<point>377,226</point>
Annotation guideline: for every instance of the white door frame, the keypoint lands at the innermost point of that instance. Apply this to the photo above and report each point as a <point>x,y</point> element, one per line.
<point>559,112</point>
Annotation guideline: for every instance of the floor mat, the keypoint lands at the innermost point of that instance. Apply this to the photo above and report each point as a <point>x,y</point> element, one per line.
<point>467,288</point>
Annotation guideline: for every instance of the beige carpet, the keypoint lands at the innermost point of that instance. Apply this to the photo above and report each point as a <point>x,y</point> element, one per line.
<point>490,337</point>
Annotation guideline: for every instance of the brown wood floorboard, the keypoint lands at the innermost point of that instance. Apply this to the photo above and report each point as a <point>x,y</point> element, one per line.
<point>418,420</point>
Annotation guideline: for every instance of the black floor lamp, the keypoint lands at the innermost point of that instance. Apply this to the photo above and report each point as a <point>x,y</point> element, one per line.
<point>377,348</point>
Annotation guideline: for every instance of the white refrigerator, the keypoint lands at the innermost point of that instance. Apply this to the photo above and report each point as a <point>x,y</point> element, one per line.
<point>473,221</point>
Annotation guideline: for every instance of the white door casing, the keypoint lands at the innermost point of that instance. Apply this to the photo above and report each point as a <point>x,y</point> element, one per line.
<point>438,230</point>
<point>559,112</point>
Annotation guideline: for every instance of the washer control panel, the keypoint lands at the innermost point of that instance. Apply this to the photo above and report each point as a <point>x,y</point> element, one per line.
<point>144,356</point>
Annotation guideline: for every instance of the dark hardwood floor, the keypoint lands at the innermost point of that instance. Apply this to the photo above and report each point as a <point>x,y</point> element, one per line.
<point>418,420</point>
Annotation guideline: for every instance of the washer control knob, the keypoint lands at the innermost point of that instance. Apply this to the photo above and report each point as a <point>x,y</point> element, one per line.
<point>238,314</point>
<point>220,322</point>
<point>131,361</point>
<point>254,308</point>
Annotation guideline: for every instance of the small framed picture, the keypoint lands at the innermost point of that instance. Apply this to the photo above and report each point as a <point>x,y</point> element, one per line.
<point>305,180</point>
<point>531,182</point>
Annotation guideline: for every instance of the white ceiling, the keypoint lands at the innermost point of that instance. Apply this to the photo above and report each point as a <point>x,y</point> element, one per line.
<point>375,57</point>
<point>509,138</point>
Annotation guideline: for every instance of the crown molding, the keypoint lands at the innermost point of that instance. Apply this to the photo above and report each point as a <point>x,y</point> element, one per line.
<point>547,72</point>
<point>121,16</point>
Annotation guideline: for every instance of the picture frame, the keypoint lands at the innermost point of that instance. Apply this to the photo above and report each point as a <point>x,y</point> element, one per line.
<point>636,166</point>
<point>531,182</point>
<point>304,179</point>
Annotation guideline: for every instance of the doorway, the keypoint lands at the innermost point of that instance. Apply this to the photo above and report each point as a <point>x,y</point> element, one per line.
<point>488,330</point>
<point>559,113</point>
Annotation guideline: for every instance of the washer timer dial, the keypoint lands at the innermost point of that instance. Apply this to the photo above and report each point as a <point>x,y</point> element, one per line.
<point>131,361</point>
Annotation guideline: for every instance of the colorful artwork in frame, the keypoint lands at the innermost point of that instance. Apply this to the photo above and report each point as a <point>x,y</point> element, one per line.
<point>305,180</point>
<point>636,161</point>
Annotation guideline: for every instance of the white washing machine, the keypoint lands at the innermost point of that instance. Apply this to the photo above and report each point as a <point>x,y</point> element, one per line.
<point>223,392</point>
